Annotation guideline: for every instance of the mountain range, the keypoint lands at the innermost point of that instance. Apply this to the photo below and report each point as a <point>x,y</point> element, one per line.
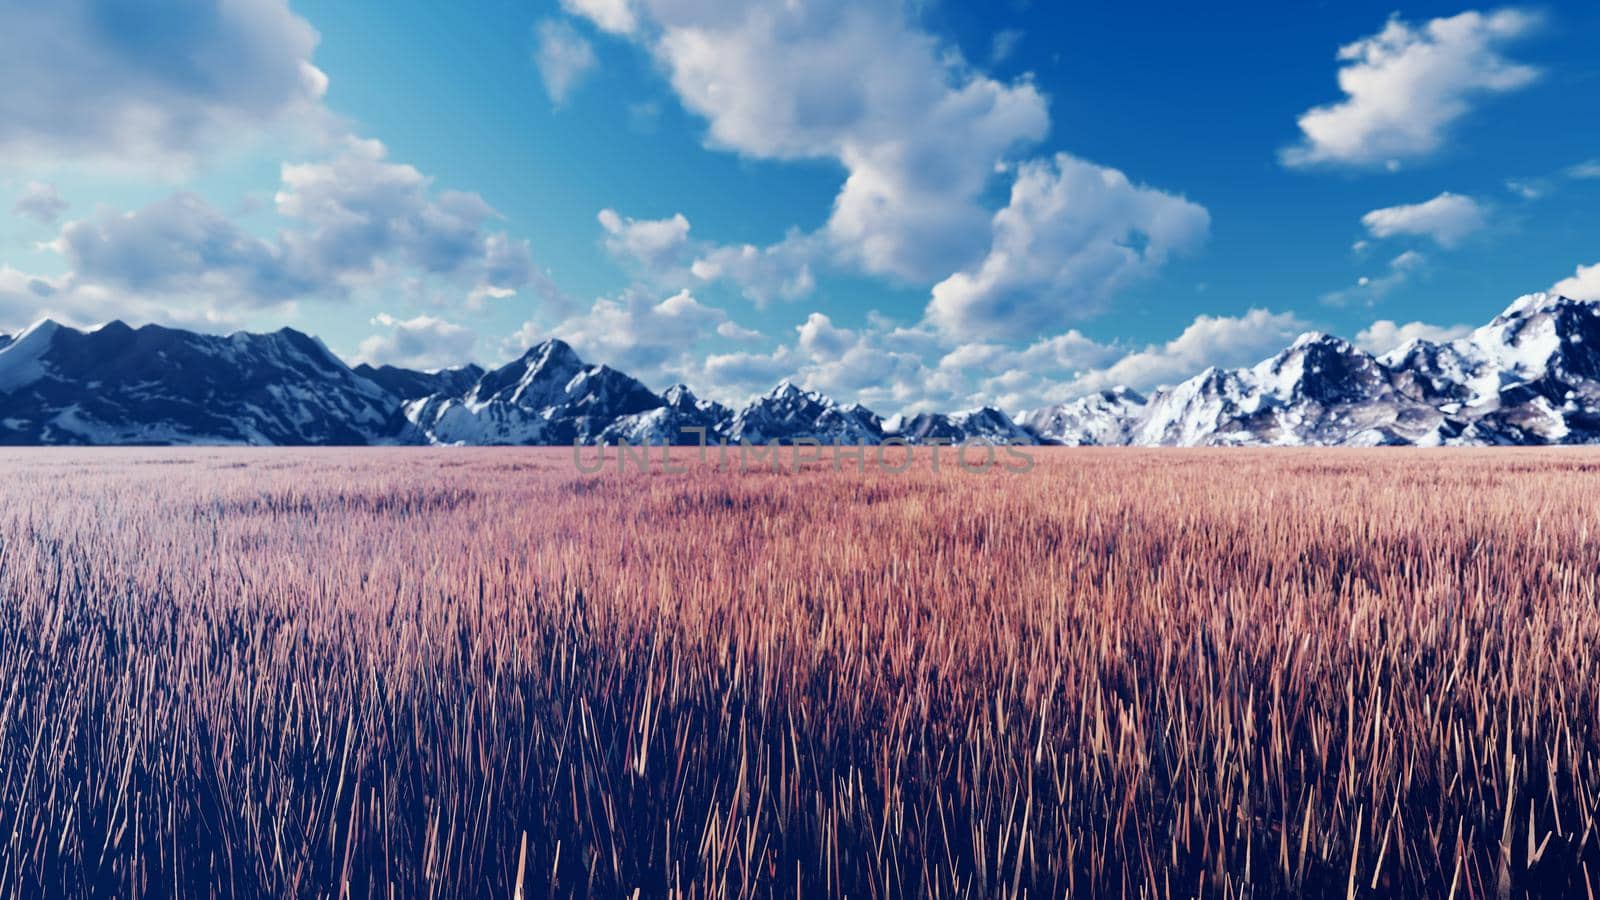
<point>1529,377</point>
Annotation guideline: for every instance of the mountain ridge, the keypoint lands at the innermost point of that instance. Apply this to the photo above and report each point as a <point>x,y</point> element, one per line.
<point>1529,376</point>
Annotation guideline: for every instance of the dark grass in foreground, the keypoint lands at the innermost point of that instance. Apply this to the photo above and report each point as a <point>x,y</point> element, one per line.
<point>478,673</point>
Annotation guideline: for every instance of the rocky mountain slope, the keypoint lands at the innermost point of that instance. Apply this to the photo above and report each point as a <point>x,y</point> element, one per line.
<point>154,385</point>
<point>1531,376</point>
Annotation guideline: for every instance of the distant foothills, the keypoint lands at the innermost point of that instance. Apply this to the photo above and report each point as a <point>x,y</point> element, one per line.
<point>1529,377</point>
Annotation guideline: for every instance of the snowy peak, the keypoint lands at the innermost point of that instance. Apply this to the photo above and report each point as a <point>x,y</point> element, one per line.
<point>118,384</point>
<point>1531,376</point>
<point>532,379</point>
<point>1541,332</point>
<point>1102,418</point>
<point>546,396</point>
<point>602,390</point>
<point>410,384</point>
<point>1323,369</point>
<point>682,419</point>
<point>986,424</point>
<point>788,413</point>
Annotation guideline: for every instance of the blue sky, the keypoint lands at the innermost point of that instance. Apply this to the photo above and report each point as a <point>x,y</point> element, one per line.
<point>910,204</point>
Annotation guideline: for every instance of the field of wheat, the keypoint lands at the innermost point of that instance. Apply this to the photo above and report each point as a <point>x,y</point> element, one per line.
<point>481,673</point>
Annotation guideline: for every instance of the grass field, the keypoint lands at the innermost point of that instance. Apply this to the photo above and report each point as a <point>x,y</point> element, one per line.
<point>480,673</point>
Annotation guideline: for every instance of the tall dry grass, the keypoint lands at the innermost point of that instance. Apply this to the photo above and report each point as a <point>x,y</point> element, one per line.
<point>478,673</point>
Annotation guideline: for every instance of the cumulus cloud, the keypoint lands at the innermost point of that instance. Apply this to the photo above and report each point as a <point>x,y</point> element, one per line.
<point>359,211</point>
<point>780,271</point>
<point>1015,379</point>
<point>125,83</point>
<point>615,16</point>
<point>1072,235</point>
<point>737,376</point>
<point>658,245</point>
<point>25,298</point>
<point>40,202</point>
<point>663,250</point>
<point>1447,219</point>
<point>856,364</point>
<point>1406,85</point>
<point>1208,341</point>
<point>356,221</point>
<point>917,130</point>
<point>822,339</point>
<point>649,338</point>
<point>921,136</point>
<point>563,56</point>
<point>1384,335</point>
<point>181,245</point>
<point>1583,285</point>
<point>879,367</point>
<point>423,342</point>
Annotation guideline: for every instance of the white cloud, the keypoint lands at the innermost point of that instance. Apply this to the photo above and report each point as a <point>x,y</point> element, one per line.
<point>1447,219</point>
<point>25,298</point>
<point>1384,335</point>
<point>1208,341</point>
<point>922,136</point>
<point>1406,85</point>
<point>822,339</point>
<point>181,245</point>
<point>978,373</point>
<point>659,245</point>
<point>1370,290</point>
<point>355,222</point>
<point>615,16</point>
<point>780,271</point>
<point>734,377</point>
<point>1583,285</point>
<point>893,369</point>
<point>733,331</point>
<point>654,340</point>
<point>1586,169</point>
<point>423,342</point>
<point>1072,235</point>
<point>918,131</point>
<point>84,81</point>
<point>664,251</point>
<point>871,365</point>
<point>40,202</point>
<point>863,363</point>
<point>563,56</point>
<point>360,214</point>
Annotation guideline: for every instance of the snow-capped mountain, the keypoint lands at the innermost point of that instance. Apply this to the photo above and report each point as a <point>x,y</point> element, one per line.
<point>683,419</point>
<point>1102,418</point>
<point>987,424</point>
<point>787,412</point>
<point>546,396</point>
<point>409,384</point>
<point>153,385</point>
<point>1531,376</point>
<point>1321,390</point>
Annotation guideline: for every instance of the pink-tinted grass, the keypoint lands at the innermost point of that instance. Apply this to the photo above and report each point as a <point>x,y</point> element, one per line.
<point>479,673</point>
